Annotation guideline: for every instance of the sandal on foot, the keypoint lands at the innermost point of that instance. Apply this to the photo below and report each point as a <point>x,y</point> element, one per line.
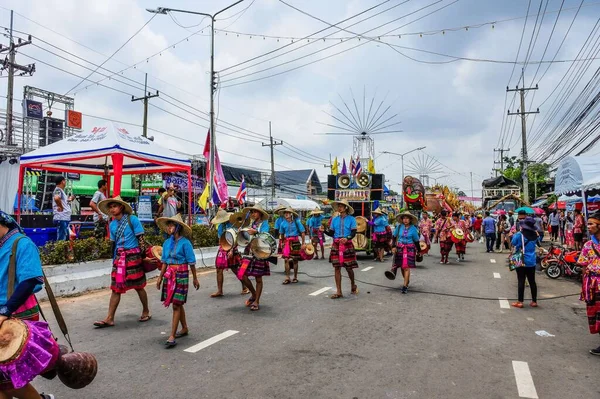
<point>215,295</point>
<point>102,324</point>
<point>249,302</point>
<point>295,280</point>
<point>255,307</point>
<point>182,334</point>
<point>144,319</point>
<point>517,305</point>
<point>245,291</point>
<point>170,344</point>
<point>336,296</point>
<point>533,304</point>
<point>286,281</point>
<point>354,290</point>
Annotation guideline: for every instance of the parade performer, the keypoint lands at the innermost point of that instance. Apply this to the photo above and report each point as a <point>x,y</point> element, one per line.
<point>256,268</point>
<point>425,227</point>
<point>461,245</point>
<point>127,237</point>
<point>277,211</point>
<point>443,230</point>
<point>590,289</point>
<point>231,259</point>
<point>178,259</point>
<point>406,246</point>
<point>17,300</point>
<point>292,232</point>
<point>316,229</point>
<point>380,236</point>
<point>343,254</point>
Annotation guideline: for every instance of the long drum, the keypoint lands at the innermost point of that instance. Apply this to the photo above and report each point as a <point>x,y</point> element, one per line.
<point>360,241</point>
<point>244,237</point>
<point>361,224</point>
<point>263,246</point>
<point>228,239</point>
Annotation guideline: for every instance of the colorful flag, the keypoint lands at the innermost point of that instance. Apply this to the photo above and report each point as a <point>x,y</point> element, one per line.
<point>344,169</point>
<point>335,167</point>
<point>352,166</point>
<point>203,200</point>
<point>358,167</point>
<point>219,178</point>
<point>371,166</point>
<point>241,194</point>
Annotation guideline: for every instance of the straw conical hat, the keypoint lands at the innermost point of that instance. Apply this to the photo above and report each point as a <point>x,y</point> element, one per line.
<point>265,215</point>
<point>220,217</point>
<point>346,204</point>
<point>316,211</point>
<point>163,222</point>
<point>378,211</point>
<point>278,209</point>
<point>104,204</point>
<point>413,218</point>
<point>290,210</point>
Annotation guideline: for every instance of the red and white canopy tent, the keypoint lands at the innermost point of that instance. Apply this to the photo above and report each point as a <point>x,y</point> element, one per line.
<point>107,150</point>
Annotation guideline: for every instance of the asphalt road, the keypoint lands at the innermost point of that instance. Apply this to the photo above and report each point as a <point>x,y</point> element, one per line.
<point>448,337</point>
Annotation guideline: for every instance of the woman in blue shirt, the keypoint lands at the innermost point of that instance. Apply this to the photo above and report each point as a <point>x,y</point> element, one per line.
<point>525,241</point>
<point>253,267</point>
<point>292,232</point>
<point>127,237</point>
<point>277,211</point>
<point>177,259</point>
<point>380,234</point>
<point>315,230</point>
<point>406,248</point>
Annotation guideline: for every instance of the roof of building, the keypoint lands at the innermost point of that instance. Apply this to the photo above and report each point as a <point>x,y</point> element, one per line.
<point>296,177</point>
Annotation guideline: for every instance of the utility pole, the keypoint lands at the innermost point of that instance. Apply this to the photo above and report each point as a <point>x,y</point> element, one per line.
<point>501,162</point>
<point>147,96</point>
<point>10,65</point>
<point>272,144</point>
<point>330,163</point>
<point>524,156</point>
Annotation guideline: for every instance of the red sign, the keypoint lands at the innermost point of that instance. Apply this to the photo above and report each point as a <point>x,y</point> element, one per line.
<point>73,119</point>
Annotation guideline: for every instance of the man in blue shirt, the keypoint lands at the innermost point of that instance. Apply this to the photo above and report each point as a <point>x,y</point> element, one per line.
<point>290,230</point>
<point>315,231</point>
<point>488,228</point>
<point>343,254</point>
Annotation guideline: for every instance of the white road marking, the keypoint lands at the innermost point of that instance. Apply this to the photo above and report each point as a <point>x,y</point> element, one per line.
<point>524,381</point>
<point>210,341</point>
<point>319,292</point>
<point>492,260</point>
<point>544,333</point>
<point>366,269</point>
<point>497,275</point>
<point>504,303</point>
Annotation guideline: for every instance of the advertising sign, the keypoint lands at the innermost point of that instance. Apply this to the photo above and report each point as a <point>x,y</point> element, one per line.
<point>144,208</point>
<point>180,182</point>
<point>353,195</point>
<point>33,109</point>
<point>73,119</point>
<point>151,187</point>
<point>73,176</point>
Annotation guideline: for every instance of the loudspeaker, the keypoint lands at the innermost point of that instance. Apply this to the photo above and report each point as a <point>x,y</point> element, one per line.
<point>377,187</point>
<point>331,186</point>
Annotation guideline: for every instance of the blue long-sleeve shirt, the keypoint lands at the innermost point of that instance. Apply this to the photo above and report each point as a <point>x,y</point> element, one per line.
<point>380,223</point>
<point>343,229</point>
<point>291,229</point>
<point>406,236</point>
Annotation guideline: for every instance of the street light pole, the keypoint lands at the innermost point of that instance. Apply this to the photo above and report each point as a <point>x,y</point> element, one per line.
<point>212,82</point>
<point>402,160</point>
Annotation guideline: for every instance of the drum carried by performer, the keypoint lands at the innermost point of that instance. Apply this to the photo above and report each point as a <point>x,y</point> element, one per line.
<point>380,236</point>
<point>292,232</point>
<point>407,250</point>
<point>443,229</point>
<point>316,231</point>
<point>459,236</point>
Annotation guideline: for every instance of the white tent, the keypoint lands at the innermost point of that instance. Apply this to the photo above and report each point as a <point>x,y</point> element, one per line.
<point>575,174</point>
<point>295,204</point>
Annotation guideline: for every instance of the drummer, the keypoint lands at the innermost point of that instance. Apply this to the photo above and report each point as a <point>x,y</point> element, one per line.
<point>127,237</point>
<point>343,229</point>
<point>225,259</point>
<point>277,211</point>
<point>178,259</point>
<point>291,231</point>
<point>315,230</point>
<point>380,233</point>
<point>256,268</point>
<point>460,244</point>
<point>443,231</point>
<point>21,302</point>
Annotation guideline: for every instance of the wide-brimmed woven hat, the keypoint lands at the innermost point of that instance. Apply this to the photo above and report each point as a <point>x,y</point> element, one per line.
<point>104,204</point>
<point>290,210</point>
<point>185,229</point>
<point>265,215</point>
<point>221,217</point>
<point>413,218</point>
<point>378,211</point>
<point>279,208</point>
<point>316,211</point>
<point>346,204</point>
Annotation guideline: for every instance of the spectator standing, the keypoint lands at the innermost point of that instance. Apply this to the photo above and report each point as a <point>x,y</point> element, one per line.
<point>525,241</point>
<point>554,225</point>
<point>170,204</point>
<point>100,219</point>
<point>489,229</point>
<point>61,209</point>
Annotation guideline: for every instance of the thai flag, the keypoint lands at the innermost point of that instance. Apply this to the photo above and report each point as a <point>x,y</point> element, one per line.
<point>352,167</point>
<point>358,167</point>
<point>241,194</point>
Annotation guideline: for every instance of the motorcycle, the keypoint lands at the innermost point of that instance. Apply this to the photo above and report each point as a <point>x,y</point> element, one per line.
<point>565,264</point>
<point>548,255</point>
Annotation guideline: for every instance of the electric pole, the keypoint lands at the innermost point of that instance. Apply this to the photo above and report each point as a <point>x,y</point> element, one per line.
<point>147,96</point>
<point>523,113</point>
<point>272,145</point>
<point>501,162</point>
<point>10,65</point>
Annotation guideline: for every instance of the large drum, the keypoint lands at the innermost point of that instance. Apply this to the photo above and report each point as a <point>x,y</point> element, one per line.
<point>152,261</point>
<point>244,237</point>
<point>263,246</point>
<point>361,224</point>
<point>457,235</point>
<point>360,241</point>
<point>27,349</point>
<point>228,239</point>
<point>308,253</point>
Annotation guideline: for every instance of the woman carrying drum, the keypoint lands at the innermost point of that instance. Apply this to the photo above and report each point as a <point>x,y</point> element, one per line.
<point>291,231</point>
<point>406,247</point>
<point>256,268</point>
<point>380,235</point>
<point>20,279</point>
<point>226,259</point>
<point>460,243</point>
<point>315,230</point>
<point>277,211</point>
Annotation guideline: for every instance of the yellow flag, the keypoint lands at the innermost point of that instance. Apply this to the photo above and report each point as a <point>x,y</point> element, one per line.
<point>371,167</point>
<point>203,200</point>
<point>335,167</point>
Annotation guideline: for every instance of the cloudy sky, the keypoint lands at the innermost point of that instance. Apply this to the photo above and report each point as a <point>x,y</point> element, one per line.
<point>454,107</point>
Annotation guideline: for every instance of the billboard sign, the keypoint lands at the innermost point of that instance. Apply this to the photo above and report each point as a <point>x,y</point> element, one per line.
<point>73,119</point>
<point>33,109</point>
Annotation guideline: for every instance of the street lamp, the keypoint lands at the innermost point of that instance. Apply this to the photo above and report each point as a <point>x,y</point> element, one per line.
<point>165,10</point>
<point>402,158</point>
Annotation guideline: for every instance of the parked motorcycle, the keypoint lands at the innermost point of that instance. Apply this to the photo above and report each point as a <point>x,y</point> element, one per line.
<point>547,255</point>
<point>564,264</point>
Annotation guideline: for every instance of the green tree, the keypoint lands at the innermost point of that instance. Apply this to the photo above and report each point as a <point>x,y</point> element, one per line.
<point>538,173</point>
